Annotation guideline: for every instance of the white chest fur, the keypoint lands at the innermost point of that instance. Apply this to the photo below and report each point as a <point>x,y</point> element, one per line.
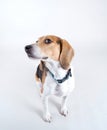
<point>51,87</point>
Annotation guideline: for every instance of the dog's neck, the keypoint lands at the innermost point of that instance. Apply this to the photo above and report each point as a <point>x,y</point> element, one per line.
<point>55,68</point>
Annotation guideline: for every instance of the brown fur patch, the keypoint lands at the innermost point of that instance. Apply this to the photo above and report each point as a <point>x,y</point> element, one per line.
<point>51,50</point>
<point>66,55</point>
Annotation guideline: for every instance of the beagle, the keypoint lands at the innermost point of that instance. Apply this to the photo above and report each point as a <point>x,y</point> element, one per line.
<point>54,72</point>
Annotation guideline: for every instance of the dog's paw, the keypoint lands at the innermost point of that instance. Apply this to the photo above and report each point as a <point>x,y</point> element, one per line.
<point>64,111</point>
<point>47,117</point>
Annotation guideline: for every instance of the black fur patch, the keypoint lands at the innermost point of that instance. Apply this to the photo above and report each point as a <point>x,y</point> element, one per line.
<point>41,70</point>
<point>39,73</point>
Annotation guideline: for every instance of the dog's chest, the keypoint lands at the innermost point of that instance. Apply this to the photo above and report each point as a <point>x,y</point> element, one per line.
<point>61,90</point>
<point>51,85</point>
<point>53,88</point>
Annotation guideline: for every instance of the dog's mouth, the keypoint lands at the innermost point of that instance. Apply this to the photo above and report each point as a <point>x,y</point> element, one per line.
<point>30,55</point>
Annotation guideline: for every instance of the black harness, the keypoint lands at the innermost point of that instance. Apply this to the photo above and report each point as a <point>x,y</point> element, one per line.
<point>69,74</point>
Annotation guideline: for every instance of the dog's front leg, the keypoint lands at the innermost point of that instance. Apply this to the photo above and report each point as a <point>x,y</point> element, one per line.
<point>64,110</point>
<point>46,115</point>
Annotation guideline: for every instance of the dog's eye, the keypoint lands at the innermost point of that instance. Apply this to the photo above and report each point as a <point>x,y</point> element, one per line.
<point>48,41</point>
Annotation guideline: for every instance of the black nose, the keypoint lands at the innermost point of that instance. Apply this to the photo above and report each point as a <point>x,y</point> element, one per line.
<point>28,47</point>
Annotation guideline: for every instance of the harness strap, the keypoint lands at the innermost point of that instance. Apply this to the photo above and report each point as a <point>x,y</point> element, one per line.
<point>69,74</point>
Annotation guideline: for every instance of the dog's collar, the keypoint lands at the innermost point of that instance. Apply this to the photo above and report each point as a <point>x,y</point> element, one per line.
<point>69,74</point>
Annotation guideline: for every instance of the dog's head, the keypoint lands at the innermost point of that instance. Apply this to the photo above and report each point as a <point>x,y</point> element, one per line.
<point>51,47</point>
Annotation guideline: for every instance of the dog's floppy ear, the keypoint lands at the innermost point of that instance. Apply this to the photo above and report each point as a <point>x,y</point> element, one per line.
<point>66,55</point>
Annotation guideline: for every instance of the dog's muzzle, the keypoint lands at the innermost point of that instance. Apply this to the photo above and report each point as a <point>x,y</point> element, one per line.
<point>33,52</point>
<point>28,48</point>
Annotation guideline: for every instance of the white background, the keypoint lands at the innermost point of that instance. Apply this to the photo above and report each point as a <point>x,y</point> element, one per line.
<point>84,24</point>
